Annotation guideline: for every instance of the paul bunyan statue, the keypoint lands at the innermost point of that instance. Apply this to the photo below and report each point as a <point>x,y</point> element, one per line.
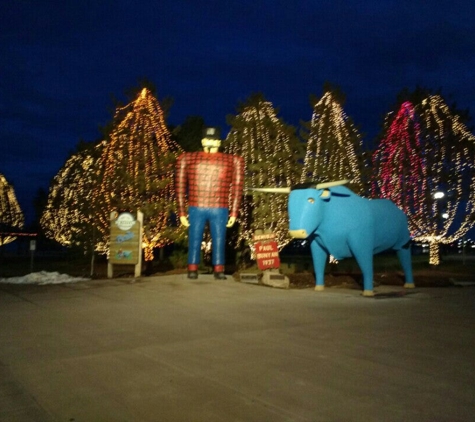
<point>211,183</point>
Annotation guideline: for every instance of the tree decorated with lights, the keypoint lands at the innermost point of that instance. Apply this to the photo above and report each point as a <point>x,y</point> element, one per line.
<point>271,151</point>
<point>136,170</point>
<point>189,134</point>
<point>400,171</point>
<point>133,169</point>
<point>425,164</point>
<point>334,144</point>
<point>11,216</point>
<point>69,215</point>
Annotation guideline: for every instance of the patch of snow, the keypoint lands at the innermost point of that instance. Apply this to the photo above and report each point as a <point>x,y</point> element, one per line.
<point>43,277</point>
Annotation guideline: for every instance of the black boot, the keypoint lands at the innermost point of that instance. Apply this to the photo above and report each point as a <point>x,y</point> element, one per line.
<point>193,275</point>
<point>219,276</point>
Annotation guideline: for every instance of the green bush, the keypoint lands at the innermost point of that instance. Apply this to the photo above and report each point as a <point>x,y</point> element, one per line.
<point>179,259</point>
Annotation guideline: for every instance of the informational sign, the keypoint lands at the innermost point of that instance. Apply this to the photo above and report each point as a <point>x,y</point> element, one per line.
<point>267,251</point>
<point>125,240</point>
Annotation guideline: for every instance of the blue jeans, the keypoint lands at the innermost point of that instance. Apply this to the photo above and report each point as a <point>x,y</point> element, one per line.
<point>217,218</point>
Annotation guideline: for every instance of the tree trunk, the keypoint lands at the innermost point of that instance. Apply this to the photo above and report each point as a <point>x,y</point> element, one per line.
<point>92,251</point>
<point>434,253</point>
<point>91,274</point>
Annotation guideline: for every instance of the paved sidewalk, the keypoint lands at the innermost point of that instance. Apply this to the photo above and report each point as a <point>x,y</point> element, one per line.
<point>171,349</point>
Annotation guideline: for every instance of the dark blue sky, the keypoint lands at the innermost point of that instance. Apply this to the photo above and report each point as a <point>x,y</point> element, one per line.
<point>61,61</point>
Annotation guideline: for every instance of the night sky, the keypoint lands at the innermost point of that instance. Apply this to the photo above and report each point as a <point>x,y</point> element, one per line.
<point>63,61</point>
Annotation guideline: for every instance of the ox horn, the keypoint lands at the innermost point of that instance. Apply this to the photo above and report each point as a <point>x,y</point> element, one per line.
<point>272,190</point>
<point>327,185</point>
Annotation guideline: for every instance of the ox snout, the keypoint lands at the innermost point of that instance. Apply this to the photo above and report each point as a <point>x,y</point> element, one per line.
<point>298,234</point>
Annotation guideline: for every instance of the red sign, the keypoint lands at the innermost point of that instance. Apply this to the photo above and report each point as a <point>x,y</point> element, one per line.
<point>267,255</point>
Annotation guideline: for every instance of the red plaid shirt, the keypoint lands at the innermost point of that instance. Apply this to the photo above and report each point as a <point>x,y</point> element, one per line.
<point>214,180</point>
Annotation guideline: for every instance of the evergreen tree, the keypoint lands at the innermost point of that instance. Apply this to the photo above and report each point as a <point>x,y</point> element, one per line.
<point>271,151</point>
<point>133,169</point>
<point>425,164</point>
<point>334,147</point>
<point>189,134</point>
<point>399,170</point>
<point>137,171</point>
<point>70,214</point>
<point>11,216</point>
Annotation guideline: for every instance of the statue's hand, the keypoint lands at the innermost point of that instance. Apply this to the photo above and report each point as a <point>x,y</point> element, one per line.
<point>231,221</point>
<point>184,221</point>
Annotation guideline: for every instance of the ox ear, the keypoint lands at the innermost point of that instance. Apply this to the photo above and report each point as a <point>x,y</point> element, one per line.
<point>327,185</point>
<point>272,190</point>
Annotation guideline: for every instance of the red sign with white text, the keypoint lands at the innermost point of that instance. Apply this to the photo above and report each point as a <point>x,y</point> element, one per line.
<point>267,255</point>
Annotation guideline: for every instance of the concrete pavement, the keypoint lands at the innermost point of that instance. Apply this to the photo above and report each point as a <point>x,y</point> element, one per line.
<point>169,349</point>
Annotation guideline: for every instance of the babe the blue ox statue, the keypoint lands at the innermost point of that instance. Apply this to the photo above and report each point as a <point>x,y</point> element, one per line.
<point>343,224</point>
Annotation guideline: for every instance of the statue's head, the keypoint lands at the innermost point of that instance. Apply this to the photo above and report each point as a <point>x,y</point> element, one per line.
<point>211,141</point>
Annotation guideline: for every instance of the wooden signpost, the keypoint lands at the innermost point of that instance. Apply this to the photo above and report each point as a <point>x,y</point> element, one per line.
<point>125,241</point>
<point>268,261</point>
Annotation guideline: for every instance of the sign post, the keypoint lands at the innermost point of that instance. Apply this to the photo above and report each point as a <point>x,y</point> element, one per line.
<point>268,261</point>
<point>32,253</point>
<point>125,241</point>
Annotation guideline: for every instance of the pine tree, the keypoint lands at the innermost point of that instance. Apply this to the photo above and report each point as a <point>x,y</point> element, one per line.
<point>137,171</point>
<point>334,150</point>
<point>11,216</point>
<point>271,151</point>
<point>399,170</point>
<point>133,169</point>
<point>425,164</point>
<point>189,134</point>
<point>69,216</point>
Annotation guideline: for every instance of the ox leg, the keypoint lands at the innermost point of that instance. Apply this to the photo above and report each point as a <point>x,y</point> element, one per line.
<point>405,259</point>
<point>364,258</point>
<point>319,257</point>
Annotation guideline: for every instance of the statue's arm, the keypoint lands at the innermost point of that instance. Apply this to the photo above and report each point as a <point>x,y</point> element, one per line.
<point>180,188</point>
<point>236,188</point>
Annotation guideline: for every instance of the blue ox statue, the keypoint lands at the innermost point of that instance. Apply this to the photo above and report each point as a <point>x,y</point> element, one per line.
<point>343,224</point>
